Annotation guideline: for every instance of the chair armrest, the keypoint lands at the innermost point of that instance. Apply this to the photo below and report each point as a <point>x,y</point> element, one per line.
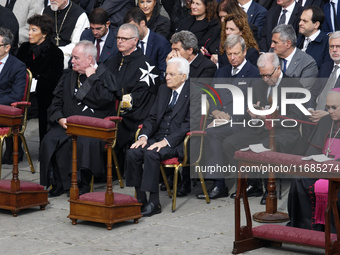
<point>196,133</point>
<point>21,104</point>
<point>114,118</point>
<point>140,126</point>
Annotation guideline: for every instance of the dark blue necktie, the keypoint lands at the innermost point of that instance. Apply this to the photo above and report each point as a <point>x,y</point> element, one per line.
<point>174,98</point>
<point>284,65</point>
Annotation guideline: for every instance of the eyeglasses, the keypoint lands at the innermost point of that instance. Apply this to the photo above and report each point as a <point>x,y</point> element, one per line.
<point>123,39</point>
<point>268,75</point>
<point>172,74</point>
<point>4,44</point>
<point>336,46</point>
<point>333,107</point>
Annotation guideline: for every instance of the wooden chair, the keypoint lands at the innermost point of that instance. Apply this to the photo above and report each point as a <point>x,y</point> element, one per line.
<point>16,195</point>
<point>6,131</point>
<point>105,207</point>
<point>176,164</point>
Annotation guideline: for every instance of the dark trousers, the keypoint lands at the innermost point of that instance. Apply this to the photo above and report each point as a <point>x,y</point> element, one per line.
<point>147,178</point>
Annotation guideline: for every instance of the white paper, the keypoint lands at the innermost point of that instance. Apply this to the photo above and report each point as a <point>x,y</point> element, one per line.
<point>33,85</point>
<point>318,158</point>
<point>257,148</point>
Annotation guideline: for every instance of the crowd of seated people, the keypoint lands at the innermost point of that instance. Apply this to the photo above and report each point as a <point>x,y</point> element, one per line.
<point>89,54</point>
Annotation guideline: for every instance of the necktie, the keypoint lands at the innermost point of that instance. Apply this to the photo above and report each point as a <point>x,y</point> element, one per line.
<point>305,44</point>
<point>234,71</point>
<point>282,19</point>
<point>142,46</point>
<point>174,97</point>
<point>329,85</point>
<point>336,26</point>
<point>98,49</point>
<point>284,66</point>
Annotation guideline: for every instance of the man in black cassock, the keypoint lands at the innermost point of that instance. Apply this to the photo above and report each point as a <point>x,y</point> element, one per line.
<point>139,78</point>
<point>88,90</point>
<point>325,139</point>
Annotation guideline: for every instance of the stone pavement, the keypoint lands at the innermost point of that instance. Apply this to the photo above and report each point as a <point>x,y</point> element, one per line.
<point>195,227</point>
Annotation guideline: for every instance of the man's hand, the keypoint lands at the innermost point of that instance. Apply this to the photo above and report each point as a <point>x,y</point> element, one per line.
<point>254,116</point>
<point>317,115</point>
<point>158,145</point>
<point>90,70</point>
<point>140,142</point>
<point>173,54</point>
<point>220,115</point>
<point>62,122</point>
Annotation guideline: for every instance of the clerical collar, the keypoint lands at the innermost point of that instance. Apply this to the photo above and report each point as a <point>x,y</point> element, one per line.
<point>313,36</point>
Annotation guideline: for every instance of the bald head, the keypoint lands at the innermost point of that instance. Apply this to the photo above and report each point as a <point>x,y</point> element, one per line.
<point>333,104</point>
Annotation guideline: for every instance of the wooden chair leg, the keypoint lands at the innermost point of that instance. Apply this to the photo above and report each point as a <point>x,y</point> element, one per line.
<point>27,152</point>
<point>204,188</point>
<point>1,145</point>
<point>115,160</point>
<point>165,179</point>
<point>92,183</point>
<point>174,190</point>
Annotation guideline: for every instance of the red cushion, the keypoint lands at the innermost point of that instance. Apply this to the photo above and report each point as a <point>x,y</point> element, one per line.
<point>8,110</point>
<point>119,199</point>
<point>4,130</point>
<point>291,235</point>
<point>24,186</point>
<point>170,161</point>
<point>91,121</point>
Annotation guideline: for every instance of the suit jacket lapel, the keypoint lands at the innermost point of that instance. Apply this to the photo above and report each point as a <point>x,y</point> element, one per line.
<point>181,99</point>
<point>74,81</point>
<point>6,67</point>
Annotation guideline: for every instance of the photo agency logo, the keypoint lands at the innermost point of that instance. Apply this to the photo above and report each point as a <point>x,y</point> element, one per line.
<point>240,102</point>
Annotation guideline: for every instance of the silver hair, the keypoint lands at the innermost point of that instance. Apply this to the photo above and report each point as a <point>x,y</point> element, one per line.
<point>183,66</point>
<point>7,36</point>
<point>88,48</point>
<point>232,40</point>
<point>187,39</point>
<point>286,32</point>
<point>132,27</point>
<point>334,35</point>
<point>267,58</point>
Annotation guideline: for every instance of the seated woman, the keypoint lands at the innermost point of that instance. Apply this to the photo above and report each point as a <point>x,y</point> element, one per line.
<point>202,21</point>
<point>238,25</point>
<point>325,139</point>
<point>45,60</point>
<point>224,8</point>
<point>155,22</point>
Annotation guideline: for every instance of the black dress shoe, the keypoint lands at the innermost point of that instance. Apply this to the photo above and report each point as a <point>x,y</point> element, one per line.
<point>56,191</point>
<point>264,198</point>
<point>251,192</point>
<point>151,209</point>
<point>215,192</point>
<point>184,189</point>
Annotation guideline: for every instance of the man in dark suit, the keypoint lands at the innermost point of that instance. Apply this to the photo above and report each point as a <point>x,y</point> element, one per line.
<point>240,73</point>
<point>101,35</point>
<point>184,44</point>
<point>153,45</point>
<point>312,40</point>
<point>330,24</point>
<point>330,71</point>
<point>286,12</point>
<point>9,21</point>
<point>12,84</point>
<point>162,135</point>
<point>286,138</point>
<point>256,13</point>
<point>294,62</point>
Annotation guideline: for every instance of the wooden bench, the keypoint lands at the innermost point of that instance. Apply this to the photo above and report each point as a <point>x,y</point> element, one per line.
<point>249,238</point>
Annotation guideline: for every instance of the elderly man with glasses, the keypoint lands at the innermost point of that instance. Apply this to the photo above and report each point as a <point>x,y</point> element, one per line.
<point>139,78</point>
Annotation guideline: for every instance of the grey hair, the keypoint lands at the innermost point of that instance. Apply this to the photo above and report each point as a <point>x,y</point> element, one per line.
<point>232,40</point>
<point>267,58</point>
<point>88,48</point>
<point>286,32</point>
<point>187,39</point>
<point>132,27</point>
<point>7,36</point>
<point>183,66</point>
<point>334,35</point>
